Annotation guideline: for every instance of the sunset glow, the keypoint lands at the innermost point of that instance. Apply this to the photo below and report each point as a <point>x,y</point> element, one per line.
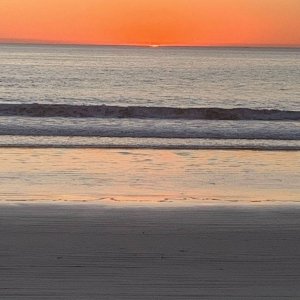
<point>152,22</point>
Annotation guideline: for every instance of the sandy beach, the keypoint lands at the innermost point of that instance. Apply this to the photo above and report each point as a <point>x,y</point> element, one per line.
<point>122,224</point>
<point>96,252</point>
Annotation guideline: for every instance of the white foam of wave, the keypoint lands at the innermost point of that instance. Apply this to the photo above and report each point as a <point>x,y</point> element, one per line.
<point>150,128</point>
<point>146,143</point>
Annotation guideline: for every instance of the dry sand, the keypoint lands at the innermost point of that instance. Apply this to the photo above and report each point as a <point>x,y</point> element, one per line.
<point>92,252</point>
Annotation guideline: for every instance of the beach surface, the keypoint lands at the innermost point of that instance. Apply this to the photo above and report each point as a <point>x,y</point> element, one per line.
<point>89,224</point>
<point>96,252</point>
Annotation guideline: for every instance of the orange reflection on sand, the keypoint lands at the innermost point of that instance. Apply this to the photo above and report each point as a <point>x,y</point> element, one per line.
<point>147,176</point>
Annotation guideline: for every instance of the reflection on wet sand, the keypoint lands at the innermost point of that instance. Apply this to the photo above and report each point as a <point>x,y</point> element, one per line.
<point>148,177</point>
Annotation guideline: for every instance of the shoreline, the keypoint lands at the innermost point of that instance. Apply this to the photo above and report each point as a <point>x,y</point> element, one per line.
<point>134,143</point>
<point>221,148</point>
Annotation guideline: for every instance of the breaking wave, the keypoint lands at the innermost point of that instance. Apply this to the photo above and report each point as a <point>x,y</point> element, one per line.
<point>145,112</point>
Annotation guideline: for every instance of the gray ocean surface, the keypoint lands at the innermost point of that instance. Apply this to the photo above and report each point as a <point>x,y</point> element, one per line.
<point>239,97</point>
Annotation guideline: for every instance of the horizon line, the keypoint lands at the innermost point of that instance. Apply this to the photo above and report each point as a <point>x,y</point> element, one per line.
<point>64,43</point>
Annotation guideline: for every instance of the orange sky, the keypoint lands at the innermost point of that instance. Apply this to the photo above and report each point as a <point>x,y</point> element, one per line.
<point>145,22</point>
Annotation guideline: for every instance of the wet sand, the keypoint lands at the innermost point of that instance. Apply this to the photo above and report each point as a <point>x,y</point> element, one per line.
<point>125,177</point>
<point>96,252</point>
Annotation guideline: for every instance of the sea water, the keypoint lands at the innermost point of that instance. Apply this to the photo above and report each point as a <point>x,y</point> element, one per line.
<point>180,97</point>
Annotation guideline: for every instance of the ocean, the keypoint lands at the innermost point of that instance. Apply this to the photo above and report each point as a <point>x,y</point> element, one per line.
<point>139,97</point>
